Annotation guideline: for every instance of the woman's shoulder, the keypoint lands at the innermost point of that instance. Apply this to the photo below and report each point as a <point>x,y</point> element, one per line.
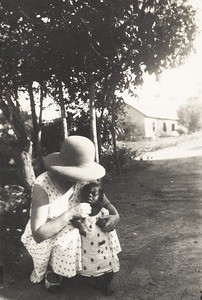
<point>42,179</point>
<point>41,186</point>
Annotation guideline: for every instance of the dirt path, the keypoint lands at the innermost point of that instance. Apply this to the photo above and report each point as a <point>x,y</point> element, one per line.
<point>161,230</point>
<point>160,233</point>
<point>189,148</point>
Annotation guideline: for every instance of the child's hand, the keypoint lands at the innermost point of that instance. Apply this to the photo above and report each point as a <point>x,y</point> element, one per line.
<point>112,221</point>
<point>101,223</point>
<point>83,231</point>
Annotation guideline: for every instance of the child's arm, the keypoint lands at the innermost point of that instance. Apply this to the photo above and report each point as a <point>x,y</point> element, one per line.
<point>107,204</point>
<point>113,217</point>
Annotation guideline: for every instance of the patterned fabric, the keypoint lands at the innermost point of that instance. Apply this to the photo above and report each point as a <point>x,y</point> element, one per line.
<point>99,249</point>
<point>63,251</point>
<point>65,261</point>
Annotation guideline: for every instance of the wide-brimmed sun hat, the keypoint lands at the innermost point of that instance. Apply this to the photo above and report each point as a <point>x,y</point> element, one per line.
<point>75,160</point>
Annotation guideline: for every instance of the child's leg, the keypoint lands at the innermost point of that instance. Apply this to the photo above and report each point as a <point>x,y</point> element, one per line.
<point>1,276</point>
<point>106,285</point>
<point>1,266</point>
<point>52,281</point>
<point>103,282</point>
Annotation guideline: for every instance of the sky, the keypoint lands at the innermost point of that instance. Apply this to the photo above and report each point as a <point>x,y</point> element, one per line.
<point>173,88</point>
<point>176,85</point>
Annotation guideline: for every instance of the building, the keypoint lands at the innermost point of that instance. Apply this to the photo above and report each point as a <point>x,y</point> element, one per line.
<point>151,124</point>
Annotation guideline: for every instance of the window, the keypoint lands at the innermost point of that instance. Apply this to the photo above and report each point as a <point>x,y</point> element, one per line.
<point>153,126</point>
<point>164,126</point>
<point>173,127</point>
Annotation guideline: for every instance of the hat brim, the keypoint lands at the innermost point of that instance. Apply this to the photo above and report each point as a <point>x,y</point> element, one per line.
<point>91,171</point>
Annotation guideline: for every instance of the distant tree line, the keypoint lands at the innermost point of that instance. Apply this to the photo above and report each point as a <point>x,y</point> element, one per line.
<point>190,114</point>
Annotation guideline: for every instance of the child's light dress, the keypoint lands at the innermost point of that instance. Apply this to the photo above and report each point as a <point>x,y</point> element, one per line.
<point>63,255</point>
<point>99,249</point>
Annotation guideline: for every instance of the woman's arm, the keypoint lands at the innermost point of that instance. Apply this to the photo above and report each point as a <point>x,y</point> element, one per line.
<point>42,228</point>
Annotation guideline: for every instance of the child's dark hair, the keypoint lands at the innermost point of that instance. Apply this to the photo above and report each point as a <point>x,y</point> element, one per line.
<point>88,187</point>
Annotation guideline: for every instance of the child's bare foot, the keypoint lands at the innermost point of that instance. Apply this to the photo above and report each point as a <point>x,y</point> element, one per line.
<point>52,282</point>
<point>107,290</point>
<point>1,277</point>
<point>83,232</point>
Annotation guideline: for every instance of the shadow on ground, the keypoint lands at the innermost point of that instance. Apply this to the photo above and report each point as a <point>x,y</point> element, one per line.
<point>160,234</point>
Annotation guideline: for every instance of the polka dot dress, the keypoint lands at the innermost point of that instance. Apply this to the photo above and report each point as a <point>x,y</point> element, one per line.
<point>63,251</point>
<point>99,249</point>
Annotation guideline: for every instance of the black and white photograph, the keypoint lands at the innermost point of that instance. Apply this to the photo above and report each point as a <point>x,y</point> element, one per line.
<point>101,150</point>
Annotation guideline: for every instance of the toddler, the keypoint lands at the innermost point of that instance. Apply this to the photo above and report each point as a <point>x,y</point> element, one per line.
<point>99,247</point>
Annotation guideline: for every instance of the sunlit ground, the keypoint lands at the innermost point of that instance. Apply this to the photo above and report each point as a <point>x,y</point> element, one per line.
<point>189,148</point>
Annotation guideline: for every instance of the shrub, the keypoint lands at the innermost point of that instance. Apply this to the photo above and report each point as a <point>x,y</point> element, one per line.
<point>14,213</point>
<point>130,132</point>
<point>126,157</point>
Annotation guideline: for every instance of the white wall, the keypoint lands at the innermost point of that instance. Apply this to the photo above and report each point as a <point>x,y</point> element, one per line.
<point>135,117</point>
<point>160,127</point>
<point>150,127</point>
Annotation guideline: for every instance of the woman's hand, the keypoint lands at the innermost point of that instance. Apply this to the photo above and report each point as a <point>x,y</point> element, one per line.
<point>81,211</point>
<point>112,221</point>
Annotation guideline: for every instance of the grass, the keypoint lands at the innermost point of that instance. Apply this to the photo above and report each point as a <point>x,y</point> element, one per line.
<point>160,143</point>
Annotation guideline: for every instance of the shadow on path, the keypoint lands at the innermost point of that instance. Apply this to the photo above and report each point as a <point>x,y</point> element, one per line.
<point>160,235</point>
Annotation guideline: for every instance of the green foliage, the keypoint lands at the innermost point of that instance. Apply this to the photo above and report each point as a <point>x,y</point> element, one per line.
<point>75,42</point>
<point>149,145</point>
<point>126,158</point>
<point>14,213</point>
<point>190,115</point>
<point>130,132</point>
<point>76,125</point>
<point>6,154</point>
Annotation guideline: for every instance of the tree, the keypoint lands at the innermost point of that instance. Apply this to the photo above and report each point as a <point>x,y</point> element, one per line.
<point>23,146</point>
<point>93,119</point>
<point>125,38</point>
<point>71,41</point>
<point>190,114</point>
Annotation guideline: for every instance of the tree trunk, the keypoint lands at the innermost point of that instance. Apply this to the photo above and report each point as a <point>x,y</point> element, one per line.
<point>34,119</point>
<point>99,123</point>
<point>62,107</point>
<point>40,117</point>
<point>40,151</point>
<point>93,125</point>
<point>114,135</point>
<point>26,170</point>
<point>24,145</point>
<point>41,103</point>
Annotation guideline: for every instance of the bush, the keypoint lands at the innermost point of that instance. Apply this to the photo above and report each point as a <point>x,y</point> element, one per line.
<point>14,213</point>
<point>190,114</point>
<point>108,161</point>
<point>130,132</point>
<point>126,157</point>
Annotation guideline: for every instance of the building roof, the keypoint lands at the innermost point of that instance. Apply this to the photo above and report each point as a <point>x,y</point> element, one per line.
<point>153,110</point>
